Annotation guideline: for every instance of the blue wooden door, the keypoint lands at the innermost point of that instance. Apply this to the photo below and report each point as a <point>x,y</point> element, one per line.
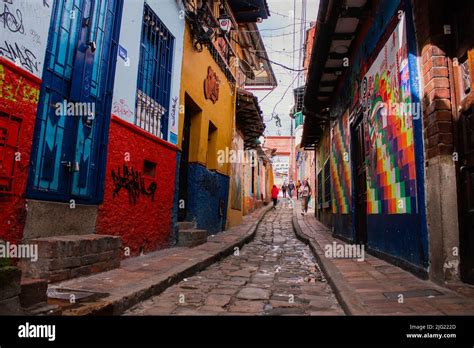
<point>69,148</point>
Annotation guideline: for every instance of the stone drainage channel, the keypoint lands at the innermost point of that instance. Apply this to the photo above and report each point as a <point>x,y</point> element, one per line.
<point>274,274</point>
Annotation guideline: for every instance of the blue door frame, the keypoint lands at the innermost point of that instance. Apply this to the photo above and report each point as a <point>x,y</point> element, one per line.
<point>69,152</point>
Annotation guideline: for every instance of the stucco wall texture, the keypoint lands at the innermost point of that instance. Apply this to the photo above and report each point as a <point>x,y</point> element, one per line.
<point>146,224</point>
<point>19,94</point>
<point>207,198</point>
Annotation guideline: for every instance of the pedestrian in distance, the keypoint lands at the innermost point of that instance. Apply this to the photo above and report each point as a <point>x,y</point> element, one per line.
<point>306,196</point>
<point>291,188</point>
<point>283,188</point>
<point>298,185</point>
<point>275,193</point>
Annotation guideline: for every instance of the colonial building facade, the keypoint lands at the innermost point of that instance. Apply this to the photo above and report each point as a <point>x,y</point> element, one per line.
<point>112,117</point>
<point>387,107</point>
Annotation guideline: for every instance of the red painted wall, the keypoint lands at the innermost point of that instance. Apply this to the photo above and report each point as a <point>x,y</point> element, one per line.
<point>19,95</point>
<point>144,222</point>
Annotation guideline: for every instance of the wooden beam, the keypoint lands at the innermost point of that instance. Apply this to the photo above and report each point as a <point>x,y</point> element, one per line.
<point>327,83</point>
<point>337,56</point>
<point>332,70</point>
<point>353,12</point>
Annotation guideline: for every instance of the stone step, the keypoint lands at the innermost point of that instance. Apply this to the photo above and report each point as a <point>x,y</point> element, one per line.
<point>66,257</point>
<point>185,225</point>
<point>191,237</point>
<point>33,292</point>
<point>10,290</point>
<point>43,309</point>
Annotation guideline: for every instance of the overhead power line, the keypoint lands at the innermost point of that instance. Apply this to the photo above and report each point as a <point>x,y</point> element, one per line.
<point>267,59</point>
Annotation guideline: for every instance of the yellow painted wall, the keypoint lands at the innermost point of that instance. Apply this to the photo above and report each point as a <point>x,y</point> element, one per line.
<point>221,114</point>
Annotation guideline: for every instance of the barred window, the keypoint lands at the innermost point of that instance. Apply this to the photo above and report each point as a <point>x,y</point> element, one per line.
<point>154,75</point>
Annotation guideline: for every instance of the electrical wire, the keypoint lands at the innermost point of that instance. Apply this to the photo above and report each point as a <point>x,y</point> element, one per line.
<point>284,34</point>
<point>282,15</point>
<point>267,59</point>
<point>281,99</point>
<point>267,29</point>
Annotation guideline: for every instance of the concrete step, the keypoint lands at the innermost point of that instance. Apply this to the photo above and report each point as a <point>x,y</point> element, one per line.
<point>66,257</point>
<point>185,225</point>
<point>191,237</point>
<point>33,292</point>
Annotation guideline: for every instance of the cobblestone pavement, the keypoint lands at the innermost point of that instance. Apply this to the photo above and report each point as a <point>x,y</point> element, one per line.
<point>275,274</point>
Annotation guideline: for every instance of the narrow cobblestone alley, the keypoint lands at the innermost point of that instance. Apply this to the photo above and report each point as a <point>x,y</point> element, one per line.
<point>275,274</point>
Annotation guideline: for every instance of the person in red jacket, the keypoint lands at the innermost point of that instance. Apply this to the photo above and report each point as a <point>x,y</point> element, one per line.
<point>275,192</point>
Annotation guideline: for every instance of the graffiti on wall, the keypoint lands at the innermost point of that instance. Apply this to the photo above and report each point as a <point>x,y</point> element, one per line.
<point>340,165</point>
<point>385,97</point>
<point>24,28</point>
<point>17,89</point>
<point>132,181</point>
<point>120,108</point>
<point>19,94</point>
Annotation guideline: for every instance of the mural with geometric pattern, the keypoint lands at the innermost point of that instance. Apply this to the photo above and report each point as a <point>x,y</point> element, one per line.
<point>341,166</point>
<point>388,113</point>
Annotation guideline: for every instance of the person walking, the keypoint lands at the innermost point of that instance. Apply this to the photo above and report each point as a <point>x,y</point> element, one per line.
<point>298,185</point>
<point>306,196</point>
<point>275,193</point>
<point>283,188</point>
<point>291,188</point>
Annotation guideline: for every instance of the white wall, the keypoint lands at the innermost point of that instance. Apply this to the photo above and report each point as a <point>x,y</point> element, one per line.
<point>298,135</point>
<point>126,74</point>
<point>24,27</point>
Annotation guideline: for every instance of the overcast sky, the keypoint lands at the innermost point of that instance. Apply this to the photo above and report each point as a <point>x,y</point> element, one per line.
<point>277,32</point>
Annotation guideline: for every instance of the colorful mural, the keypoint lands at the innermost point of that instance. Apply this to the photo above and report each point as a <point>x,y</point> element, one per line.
<point>388,113</point>
<point>340,166</point>
<point>19,95</point>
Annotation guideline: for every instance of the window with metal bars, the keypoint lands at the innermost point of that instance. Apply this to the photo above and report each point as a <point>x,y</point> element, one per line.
<point>154,75</point>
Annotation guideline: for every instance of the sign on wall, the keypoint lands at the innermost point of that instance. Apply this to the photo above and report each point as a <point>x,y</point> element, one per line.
<point>211,86</point>
<point>388,113</point>
<point>24,26</point>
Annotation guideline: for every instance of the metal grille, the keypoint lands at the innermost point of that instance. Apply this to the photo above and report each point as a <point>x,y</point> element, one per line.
<point>224,65</point>
<point>298,94</point>
<point>154,75</point>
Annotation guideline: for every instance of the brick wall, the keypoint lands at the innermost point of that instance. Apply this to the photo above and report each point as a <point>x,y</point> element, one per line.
<point>436,90</point>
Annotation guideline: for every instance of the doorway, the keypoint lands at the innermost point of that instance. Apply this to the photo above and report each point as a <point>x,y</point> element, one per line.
<point>69,147</point>
<point>191,110</point>
<point>466,137</point>
<point>360,179</point>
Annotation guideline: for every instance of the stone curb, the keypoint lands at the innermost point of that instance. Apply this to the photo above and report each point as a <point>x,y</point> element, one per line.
<point>117,304</point>
<point>348,299</point>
